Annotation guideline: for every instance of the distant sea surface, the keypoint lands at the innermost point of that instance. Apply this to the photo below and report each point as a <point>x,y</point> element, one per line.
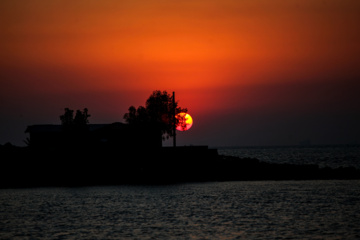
<point>215,210</point>
<point>324,156</point>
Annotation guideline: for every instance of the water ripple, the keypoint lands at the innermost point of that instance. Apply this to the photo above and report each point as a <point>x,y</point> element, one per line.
<point>228,210</point>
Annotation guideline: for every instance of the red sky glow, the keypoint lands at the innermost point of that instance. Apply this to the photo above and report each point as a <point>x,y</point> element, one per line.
<point>287,65</point>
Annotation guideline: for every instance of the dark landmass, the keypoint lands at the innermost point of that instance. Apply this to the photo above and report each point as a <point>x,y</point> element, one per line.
<point>23,167</point>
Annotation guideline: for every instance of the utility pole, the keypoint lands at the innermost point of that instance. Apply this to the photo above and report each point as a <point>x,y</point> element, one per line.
<point>174,120</point>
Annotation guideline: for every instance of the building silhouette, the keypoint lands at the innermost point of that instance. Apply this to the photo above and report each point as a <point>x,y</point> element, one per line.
<point>114,135</point>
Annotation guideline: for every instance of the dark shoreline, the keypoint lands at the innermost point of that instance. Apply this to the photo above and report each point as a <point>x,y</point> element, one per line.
<point>23,167</point>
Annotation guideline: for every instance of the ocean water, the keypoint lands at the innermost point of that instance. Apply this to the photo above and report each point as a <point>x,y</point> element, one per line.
<point>324,156</point>
<point>215,210</point>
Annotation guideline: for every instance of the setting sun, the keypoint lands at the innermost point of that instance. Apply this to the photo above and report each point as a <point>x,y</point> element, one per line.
<point>185,121</point>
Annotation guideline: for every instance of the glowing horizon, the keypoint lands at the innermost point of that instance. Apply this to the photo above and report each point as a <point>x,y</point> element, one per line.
<point>181,43</point>
<point>223,56</point>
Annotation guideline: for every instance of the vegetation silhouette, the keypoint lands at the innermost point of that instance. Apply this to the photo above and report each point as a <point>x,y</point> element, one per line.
<point>158,113</point>
<point>80,120</point>
<point>182,124</point>
<point>75,129</point>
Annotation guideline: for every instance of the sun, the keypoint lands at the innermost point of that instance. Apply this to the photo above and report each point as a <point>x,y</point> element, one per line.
<point>185,121</point>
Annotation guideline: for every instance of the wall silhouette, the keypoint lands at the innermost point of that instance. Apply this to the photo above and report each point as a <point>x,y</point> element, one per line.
<point>116,135</point>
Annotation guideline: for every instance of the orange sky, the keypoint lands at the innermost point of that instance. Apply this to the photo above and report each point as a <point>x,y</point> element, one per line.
<point>92,53</point>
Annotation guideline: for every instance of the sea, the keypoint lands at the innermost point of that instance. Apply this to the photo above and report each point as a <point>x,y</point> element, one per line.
<point>333,156</point>
<point>321,209</point>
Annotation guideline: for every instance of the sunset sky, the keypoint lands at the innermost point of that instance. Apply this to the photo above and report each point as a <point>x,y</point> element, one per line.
<point>250,72</point>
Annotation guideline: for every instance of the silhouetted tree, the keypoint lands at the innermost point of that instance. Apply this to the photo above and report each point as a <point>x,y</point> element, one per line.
<point>158,113</point>
<point>80,120</point>
<point>182,121</point>
<point>67,118</point>
<point>75,128</point>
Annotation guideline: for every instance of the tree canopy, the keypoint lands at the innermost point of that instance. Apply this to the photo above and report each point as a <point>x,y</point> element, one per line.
<point>75,129</point>
<point>158,112</point>
<point>79,121</point>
